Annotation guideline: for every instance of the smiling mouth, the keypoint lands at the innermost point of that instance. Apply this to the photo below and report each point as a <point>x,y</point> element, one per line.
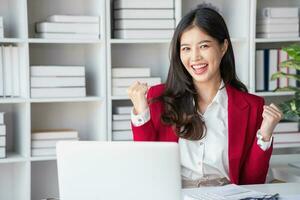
<point>200,68</point>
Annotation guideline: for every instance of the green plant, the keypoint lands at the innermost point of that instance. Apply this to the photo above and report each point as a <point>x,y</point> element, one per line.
<point>291,107</point>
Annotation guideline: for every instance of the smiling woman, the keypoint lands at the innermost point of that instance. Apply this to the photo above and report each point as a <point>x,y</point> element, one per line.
<point>224,133</point>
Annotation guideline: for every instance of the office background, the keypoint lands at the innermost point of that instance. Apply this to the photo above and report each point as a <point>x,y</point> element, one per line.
<point>96,114</point>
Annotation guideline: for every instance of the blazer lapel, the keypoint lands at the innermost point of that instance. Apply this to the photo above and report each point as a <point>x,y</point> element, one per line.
<point>238,112</point>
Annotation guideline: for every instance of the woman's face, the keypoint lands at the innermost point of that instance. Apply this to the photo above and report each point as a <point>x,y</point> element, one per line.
<point>201,55</point>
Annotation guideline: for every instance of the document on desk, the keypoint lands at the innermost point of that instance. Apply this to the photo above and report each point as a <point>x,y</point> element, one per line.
<point>227,192</point>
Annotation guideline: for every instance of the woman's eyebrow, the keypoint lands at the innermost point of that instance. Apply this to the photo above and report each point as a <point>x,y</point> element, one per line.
<point>203,41</point>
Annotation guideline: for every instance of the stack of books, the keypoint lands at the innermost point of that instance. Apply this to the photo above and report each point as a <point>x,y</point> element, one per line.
<point>278,22</point>
<point>267,63</point>
<point>2,136</point>
<point>1,27</point>
<point>43,142</point>
<point>135,19</point>
<point>69,27</point>
<point>286,134</point>
<point>9,71</point>
<point>57,81</point>
<point>123,77</point>
<point>121,124</point>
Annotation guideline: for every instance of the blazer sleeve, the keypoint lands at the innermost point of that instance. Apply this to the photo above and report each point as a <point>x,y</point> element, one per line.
<point>147,131</point>
<point>256,164</point>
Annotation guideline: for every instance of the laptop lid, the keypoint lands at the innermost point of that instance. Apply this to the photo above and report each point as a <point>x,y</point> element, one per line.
<point>118,170</point>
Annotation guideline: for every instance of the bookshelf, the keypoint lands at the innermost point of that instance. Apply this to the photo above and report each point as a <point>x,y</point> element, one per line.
<point>23,177</point>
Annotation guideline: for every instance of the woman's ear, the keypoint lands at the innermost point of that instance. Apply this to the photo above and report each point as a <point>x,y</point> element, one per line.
<point>224,47</point>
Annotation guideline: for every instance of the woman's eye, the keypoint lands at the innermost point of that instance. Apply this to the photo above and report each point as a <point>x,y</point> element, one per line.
<point>204,46</point>
<point>185,49</point>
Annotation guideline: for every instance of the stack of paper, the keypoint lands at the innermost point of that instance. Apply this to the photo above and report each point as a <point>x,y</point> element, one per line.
<point>57,81</point>
<point>2,136</point>
<point>121,124</point>
<point>123,77</point>
<point>286,134</point>
<point>43,142</point>
<point>134,19</point>
<point>267,63</point>
<point>278,22</point>
<point>1,27</point>
<point>9,71</point>
<point>69,27</point>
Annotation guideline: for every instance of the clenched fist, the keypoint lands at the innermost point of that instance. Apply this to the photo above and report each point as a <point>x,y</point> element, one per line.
<point>271,116</point>
<point>137,93</point>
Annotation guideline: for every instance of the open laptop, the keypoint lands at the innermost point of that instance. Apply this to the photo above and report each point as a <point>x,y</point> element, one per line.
<point>118,170</point>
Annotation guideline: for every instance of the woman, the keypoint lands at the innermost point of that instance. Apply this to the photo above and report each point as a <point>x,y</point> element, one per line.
<point>224,133</point>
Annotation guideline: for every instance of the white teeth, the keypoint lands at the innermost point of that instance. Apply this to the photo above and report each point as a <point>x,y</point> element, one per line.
<point>199,66</point>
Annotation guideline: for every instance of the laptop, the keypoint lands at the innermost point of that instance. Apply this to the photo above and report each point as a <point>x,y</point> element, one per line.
<point>118,170</point>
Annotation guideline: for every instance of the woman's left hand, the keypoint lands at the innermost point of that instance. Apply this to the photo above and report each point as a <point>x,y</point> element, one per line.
<point>271,116</point>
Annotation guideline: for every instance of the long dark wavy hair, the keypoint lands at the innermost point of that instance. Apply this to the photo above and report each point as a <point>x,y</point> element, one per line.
<point>180,96</point>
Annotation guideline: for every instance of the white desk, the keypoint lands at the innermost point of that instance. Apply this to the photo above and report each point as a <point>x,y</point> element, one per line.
<point>284,189</point>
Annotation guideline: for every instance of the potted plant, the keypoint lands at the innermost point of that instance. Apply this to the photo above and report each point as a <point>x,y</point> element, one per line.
<point>291,107</point>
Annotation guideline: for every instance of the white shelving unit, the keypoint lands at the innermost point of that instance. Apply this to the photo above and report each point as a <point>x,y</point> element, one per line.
<point>23,177</point>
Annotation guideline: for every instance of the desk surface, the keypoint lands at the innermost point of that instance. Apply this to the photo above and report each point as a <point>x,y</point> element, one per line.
<point>281,188</point>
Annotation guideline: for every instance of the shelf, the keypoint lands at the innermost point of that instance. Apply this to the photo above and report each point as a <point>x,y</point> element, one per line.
<point>291,145</point>
<point>264,94</point>
<point>12,40</point>
<point>42,158</point>
<point>139,41</point>
<point>83,99</point>
<point>273,40</point>
<point>64,41</point>
<point>12,100</point>
<point>12,158</point>
<point>120,98</point>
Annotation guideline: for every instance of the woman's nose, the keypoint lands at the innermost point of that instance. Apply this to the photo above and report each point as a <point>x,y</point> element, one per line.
<point>196,55</point>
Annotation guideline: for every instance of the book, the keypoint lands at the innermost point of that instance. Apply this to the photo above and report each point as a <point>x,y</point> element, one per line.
<point>144,24</point>
<point>47,143</point>
<point>2,117</point>
<point>127,72</point>
<point>1,22</point>
<point>278,35</point>
<point>122,109</point>
<point>1,72</point>
<point>2,152</point>
<point>58,92</point>
<point>54,27</point>
<point>80,36</point>
<point>7,64</point>
<point>273,65</point>
<point>1,32</point>
<point>2,130</point>
<point>2,141</point>
<point>278,21</point>
<point>122,135</point>
<point>57,70</point>
<point>15,71</point>
<point>54,134</point>
<point>75,81</point>
<point>286,137</point>
<point>277,28</point>
<point>287,127</point>
<point>119,4</point>
<point>144,34</point>
<point>266,69</point>
<point>119,91</point>
<point>259,70</point>
<point>144,14</point>
<point>121,125</point>
<point>74,19</point>
<point>280,12</point>
<point>126,82</point>
<point>121,117</point>
<point>43,152</point>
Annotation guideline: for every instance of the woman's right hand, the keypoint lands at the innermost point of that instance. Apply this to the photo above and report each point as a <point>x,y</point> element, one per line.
<point>137,93</point>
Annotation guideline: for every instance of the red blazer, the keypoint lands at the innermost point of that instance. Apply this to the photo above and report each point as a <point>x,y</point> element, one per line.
<point>248,163</point>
